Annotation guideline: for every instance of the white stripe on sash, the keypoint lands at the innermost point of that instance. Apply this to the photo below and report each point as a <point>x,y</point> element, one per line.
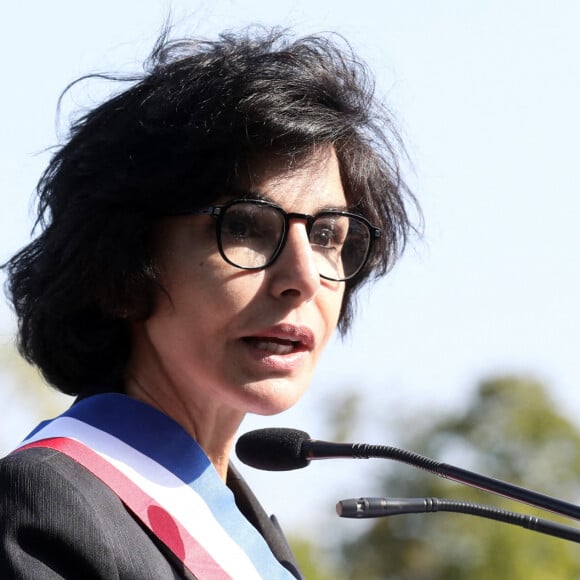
<point>182,502</point>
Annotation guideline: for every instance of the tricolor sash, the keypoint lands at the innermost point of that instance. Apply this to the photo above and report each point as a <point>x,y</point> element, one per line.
<point>166,480</point>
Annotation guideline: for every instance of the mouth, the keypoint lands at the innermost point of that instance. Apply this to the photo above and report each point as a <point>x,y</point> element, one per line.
<point>275,345</point>
<point>282,340</point>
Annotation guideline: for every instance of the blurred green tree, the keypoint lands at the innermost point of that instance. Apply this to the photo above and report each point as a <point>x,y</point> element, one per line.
<point>315,563</point>
<point>511,431</point>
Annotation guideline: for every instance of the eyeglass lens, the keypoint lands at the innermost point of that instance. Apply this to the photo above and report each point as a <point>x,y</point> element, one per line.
<point>251,235</point>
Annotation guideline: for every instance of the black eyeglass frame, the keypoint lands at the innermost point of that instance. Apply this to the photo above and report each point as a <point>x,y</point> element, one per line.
<point>217,212</point>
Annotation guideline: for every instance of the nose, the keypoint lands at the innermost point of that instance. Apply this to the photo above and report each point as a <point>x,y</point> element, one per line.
<point>295,271</point>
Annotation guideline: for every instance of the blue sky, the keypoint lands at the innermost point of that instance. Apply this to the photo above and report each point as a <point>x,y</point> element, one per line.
<point>486,94</point>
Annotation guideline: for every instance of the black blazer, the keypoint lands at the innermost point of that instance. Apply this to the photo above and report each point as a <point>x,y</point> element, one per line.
<point>57,521</point>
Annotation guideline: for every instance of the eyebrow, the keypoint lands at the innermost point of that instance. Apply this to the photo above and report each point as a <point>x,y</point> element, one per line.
<point>254,195</point>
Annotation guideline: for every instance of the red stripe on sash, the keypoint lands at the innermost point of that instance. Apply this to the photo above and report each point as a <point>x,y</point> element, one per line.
<point>154,516</point>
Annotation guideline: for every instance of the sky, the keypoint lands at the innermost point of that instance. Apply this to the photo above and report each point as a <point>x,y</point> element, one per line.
<point>486,95</point>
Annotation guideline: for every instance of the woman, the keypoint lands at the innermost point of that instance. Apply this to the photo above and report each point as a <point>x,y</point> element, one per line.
<point>204,232</point>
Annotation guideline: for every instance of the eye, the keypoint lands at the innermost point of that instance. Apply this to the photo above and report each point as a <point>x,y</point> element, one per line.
<point>238,223</point>
<point>329,232</point>
<point>247,223</point>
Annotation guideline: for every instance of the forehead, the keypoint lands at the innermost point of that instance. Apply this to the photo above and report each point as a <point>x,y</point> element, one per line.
<point>308,186</point>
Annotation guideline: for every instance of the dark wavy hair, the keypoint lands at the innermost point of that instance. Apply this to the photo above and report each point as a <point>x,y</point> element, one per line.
<point>177,137</point>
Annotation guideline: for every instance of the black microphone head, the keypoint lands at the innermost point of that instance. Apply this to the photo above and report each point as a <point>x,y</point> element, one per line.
<point>273,449</point>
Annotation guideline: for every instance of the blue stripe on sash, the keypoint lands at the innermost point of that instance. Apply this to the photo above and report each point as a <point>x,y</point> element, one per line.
<point>163,440</point>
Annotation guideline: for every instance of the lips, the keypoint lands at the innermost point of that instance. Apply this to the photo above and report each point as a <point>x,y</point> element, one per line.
<point>282,340</point>
<point>273,345</point>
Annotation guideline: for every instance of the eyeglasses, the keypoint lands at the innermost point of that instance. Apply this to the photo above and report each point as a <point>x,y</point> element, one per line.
<point>251,234</point>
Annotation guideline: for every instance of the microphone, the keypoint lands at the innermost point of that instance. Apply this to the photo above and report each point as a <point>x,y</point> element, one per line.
<point>375,507</point>
<point>279,449</point>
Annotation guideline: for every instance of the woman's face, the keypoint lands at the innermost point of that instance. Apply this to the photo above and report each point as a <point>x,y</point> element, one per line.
<point>245,340</point>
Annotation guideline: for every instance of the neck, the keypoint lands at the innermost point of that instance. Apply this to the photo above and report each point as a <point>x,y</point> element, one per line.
<point>213,428</point>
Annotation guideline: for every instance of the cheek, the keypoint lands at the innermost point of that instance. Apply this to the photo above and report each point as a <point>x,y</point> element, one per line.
<point>208,297</point>
<point>333,306</point>
<point>329,310</point>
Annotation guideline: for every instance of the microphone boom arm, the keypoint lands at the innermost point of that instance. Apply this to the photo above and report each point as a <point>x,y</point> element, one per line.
<point>375,507</point>
<point>313,449</point>
<point>285,449</point>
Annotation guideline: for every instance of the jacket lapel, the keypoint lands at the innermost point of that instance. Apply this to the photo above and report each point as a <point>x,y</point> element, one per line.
<point>267,526</point>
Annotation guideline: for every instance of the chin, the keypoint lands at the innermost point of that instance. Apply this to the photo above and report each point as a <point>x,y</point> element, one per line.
<point>276,399</point>
<point>272,411</point>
